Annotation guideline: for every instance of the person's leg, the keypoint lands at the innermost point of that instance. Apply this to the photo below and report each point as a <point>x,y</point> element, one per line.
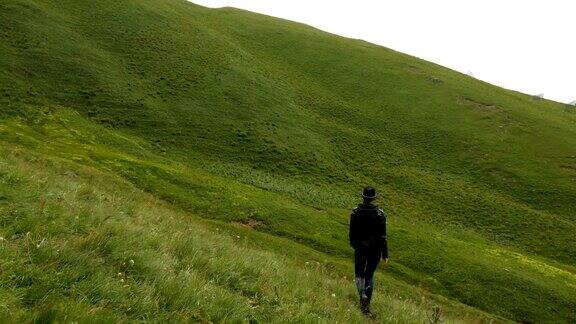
<point>372,260</point>
<point>360,270</point>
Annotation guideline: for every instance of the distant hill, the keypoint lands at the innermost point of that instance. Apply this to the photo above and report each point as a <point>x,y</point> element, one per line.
<point>128,129</point>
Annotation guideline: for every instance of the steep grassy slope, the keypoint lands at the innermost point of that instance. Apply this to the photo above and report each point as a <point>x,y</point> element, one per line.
<point>244,118</point>
<point>82,246</point>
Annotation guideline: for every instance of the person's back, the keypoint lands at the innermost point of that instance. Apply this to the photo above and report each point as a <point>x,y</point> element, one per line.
<point>368,238</point>
<point>367,227</point>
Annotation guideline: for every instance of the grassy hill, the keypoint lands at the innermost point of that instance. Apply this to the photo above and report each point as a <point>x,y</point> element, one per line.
<point>221,150</point>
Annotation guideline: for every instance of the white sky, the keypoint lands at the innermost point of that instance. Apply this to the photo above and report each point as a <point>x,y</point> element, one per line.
<point>529,45</point>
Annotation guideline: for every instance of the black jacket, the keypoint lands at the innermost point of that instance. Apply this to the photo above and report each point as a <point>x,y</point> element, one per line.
<point>368,228</point>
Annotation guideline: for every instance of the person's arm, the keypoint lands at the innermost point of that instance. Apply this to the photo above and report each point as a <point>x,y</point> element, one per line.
<point>385,248</point>
<point>384,236</point>
<point>353,232</point>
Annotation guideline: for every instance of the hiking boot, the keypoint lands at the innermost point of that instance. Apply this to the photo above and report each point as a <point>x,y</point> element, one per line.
<point>364,304</point>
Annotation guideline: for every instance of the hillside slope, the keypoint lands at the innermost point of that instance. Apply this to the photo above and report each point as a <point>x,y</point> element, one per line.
<point>80,245</point>
<point>243,118</point>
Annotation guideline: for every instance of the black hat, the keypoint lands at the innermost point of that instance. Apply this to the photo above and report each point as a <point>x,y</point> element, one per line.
<point>369,193</point>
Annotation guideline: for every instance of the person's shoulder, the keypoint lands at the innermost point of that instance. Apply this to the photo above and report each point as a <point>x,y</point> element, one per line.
<point>357,209</point>
<point>381,212</point>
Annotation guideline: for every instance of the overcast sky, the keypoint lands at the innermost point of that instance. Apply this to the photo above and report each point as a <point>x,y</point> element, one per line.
<point>529,45</point>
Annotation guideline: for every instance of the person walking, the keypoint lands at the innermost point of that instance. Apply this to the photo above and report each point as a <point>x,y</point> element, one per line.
<point>368,238</point>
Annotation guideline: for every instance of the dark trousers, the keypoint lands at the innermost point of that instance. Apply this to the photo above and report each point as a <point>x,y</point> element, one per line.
<point>365,263</point>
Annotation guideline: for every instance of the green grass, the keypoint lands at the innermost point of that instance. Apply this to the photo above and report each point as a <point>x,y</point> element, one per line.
<point>80,245</point>
<point>224,117</point>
